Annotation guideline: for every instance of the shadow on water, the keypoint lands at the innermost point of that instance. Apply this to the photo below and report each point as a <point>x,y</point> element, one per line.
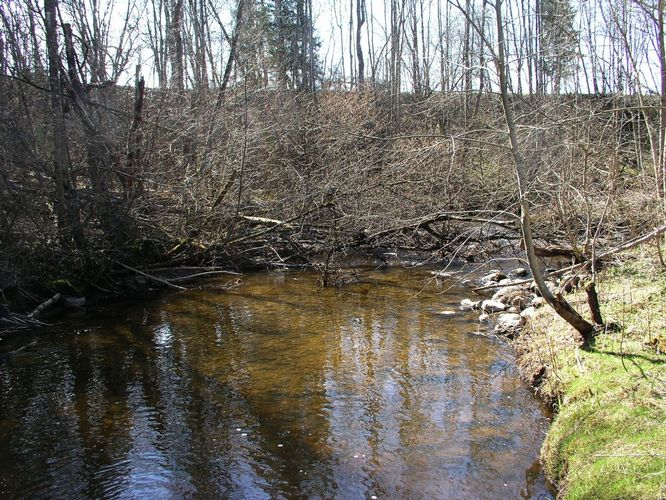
<point>273,389</point>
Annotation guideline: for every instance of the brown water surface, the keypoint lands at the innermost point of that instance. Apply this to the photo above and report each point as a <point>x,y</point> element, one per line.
<point>274,389</point>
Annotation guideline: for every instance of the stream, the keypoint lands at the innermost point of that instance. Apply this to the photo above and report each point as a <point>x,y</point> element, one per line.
<point>275,388</point>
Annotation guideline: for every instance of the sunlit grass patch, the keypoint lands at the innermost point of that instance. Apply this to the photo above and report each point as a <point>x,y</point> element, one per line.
<point>608,439</point>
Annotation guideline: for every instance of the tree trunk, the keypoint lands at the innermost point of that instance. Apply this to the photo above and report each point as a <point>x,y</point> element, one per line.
<point>133,174</point>
<point>395,62</point>
<point>352,66</point>
<point>360,21</point>
<point>593,303</point>
<point>443,80</point>
<point>661,44</point>
<point>559,304</point>
<point>231,60</point>
<point>416,59</point>
<point>3,75</point>
<point>311,78</point>
<point>466,58</point>
<point>66,216</point>
<point>176,46</point>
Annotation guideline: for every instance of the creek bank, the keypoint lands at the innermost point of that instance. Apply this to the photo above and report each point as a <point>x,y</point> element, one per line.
<point>37,306</point>
<point>153,264</point>
<point>607,439</point>
<point>66,298</point>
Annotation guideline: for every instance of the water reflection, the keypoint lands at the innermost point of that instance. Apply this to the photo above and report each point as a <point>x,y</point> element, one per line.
<point>274,389</point>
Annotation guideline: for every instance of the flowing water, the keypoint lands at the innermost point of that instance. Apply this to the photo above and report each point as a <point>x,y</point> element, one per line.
<point>275,388</point>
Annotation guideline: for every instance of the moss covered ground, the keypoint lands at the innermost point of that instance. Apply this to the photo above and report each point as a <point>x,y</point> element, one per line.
<point>608,438</point>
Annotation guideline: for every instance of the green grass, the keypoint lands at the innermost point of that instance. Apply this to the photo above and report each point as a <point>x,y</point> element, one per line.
<point>608,439</point>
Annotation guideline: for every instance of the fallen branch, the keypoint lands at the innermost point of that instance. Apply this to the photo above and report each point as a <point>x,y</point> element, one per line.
<point>199,275</point>
<point>23,348</point>
<point>15,322</point>
<point>45,305</point>
<point>635,242</point>
<point>150,276</point>
<point>196,268</point>
<point>279,224</point>
<point>618,249</point>
<point>265,221</point>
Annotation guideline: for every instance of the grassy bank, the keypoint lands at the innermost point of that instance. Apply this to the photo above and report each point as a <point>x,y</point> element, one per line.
<point>608,439</point>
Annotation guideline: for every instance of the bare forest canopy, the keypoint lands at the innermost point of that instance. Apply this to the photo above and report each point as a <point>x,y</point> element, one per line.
<point>256,140</point>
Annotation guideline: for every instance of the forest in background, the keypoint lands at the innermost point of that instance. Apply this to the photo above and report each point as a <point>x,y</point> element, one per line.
<point>250,147</point>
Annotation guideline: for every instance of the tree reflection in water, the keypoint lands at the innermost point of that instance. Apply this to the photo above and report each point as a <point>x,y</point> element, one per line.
<point>347,393</point>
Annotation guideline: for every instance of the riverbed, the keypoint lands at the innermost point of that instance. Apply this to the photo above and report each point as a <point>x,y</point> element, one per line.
<point>274,388</point>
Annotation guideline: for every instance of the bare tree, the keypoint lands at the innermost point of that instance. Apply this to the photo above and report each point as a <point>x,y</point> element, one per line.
<point>67,217</point>
<point>397,16</point>
<point>158,35</point>
<point>176,49</point>
<point>558,303</point>
<point>360,21</point>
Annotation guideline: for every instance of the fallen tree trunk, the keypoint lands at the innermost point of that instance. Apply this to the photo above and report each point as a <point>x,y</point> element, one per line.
<point>555,251</point>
